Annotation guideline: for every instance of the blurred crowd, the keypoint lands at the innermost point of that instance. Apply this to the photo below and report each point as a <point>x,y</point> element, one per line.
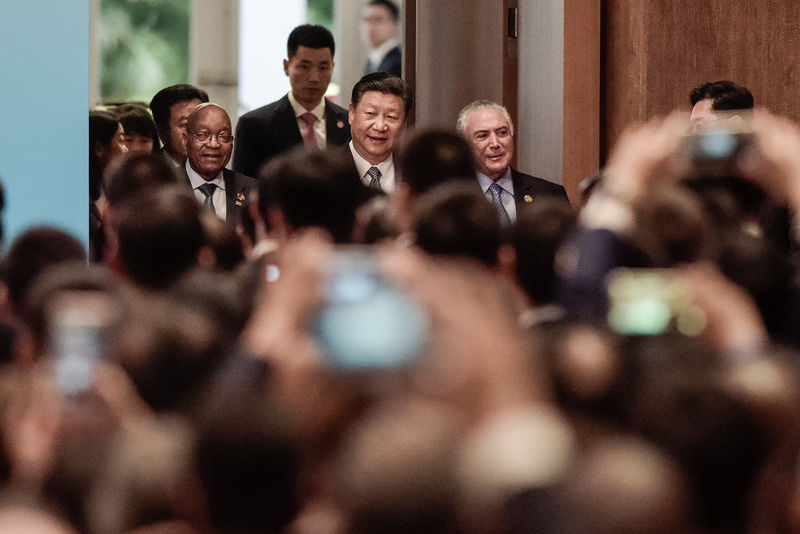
<point>342,359</point>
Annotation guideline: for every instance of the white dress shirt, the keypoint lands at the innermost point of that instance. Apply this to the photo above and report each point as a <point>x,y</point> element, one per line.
<point>386,167</point>
<point>218,198</point>
<point>506,193</point>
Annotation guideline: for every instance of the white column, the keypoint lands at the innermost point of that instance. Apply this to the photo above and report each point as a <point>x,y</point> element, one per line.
<point>214,51</point>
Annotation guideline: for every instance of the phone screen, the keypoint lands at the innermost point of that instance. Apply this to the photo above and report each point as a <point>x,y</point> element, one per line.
<point>366,322</point>
<point>648,302</point>
<point>78,324</point>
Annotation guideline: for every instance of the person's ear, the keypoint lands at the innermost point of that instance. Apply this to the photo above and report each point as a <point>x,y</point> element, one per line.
<point>286,67</point>
<point>101,150</point>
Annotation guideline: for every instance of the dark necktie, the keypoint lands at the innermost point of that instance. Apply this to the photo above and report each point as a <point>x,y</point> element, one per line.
<point>495,191</point>
<point>208,191</point>
<point>374,174</point>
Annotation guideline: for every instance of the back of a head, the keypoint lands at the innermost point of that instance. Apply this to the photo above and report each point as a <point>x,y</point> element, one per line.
<point>34,252</point>
<point>432,157</point>
<point>135,173</point>
<point>312,189</point>
<point>684,407</point>
<point>454,219</point>
<point>248,461</point>
<point>536,237</point>
<point>310,36</point>
<point>159,234</point>
<point>170,351</point>
<point>165,98</point>
<point>724,94</point>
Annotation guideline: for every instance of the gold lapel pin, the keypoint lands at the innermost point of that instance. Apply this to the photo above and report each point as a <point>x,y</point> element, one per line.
<point>239,199</point>
<point>340,124</point>
<point>528,199</point>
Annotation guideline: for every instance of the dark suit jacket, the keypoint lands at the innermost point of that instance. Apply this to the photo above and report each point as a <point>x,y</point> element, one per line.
<point>392,63</point>
<point>527,188</point>
<point>271,130</point>
<point>237,188</point>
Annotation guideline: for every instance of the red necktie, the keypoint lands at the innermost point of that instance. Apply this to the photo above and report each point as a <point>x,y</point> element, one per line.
<point>309,138</point>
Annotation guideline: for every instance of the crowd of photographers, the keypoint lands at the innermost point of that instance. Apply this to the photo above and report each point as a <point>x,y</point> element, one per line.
<point>183,385</point>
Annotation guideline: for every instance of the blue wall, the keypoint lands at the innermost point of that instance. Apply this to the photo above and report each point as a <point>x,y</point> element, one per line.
<point>44,99</point>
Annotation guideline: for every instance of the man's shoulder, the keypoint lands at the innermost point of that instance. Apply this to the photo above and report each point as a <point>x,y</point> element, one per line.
<point>267,111</point>
<point>331,107</point>
<point>239,180</point>
<point>526,183</point>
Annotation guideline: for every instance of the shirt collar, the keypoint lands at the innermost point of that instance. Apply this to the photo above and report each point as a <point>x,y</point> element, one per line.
<point>504,181</point>
<point>318,111</point>
<point>196,180</point>
<point>363,165</point>
<point>376,54</point>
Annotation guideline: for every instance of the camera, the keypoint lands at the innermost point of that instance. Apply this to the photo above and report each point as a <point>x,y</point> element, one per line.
<point>365,321</point>
<point>649,302</point>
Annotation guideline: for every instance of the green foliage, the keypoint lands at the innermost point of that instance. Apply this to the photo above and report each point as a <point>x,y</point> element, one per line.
<point>320,12</point>
<point>145,47</point>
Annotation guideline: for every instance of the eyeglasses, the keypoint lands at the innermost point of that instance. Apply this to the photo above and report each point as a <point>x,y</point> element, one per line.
<point>204,137</point>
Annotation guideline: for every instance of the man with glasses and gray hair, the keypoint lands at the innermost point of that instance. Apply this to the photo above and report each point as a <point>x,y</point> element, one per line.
<point>488,128</point>
<point>209,144</point>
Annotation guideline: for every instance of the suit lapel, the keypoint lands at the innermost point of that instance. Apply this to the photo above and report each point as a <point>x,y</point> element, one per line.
<point>336,129</point>
<point>288,123</point>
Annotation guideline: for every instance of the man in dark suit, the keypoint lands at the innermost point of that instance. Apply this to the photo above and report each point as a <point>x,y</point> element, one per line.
<point>302,117</point>
<point>171,106</point>
<point>488,128</point>
<point>379,29</point>
<point>209,143</point>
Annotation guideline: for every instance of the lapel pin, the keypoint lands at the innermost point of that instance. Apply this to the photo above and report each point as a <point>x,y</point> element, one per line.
<point>340,124</point>
<point>528,199</point>
<point>239,199</point>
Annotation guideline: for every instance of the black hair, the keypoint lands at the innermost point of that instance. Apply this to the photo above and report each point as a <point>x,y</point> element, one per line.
<point>165,98</point>
<point>431,157</point>
<point>102,127</point>
<point>135,119</point>
<point>724,94</point>
<point>310,36</point>
<point>385,83</point>
<point>159,234</point>
<point>134,173</point>
<point>319,189</point>
<point>537,236</point>
<point>34,252</point>
<point>455,219</point>
<point>390,6</point>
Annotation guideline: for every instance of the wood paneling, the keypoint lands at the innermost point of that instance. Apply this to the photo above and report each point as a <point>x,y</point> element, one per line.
<point>655,51</point>
<point>581,127</point>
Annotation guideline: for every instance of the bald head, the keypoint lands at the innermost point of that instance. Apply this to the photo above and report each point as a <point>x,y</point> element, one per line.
<point>209,140</point>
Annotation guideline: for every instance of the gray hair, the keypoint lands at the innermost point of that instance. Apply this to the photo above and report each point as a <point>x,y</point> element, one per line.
<point>461,124</point>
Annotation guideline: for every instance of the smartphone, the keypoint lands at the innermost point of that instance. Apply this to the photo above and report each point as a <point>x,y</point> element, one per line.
<point>649,302</point>
<point>365,321</point>
<point>718,148</point>
<point>78,326</point>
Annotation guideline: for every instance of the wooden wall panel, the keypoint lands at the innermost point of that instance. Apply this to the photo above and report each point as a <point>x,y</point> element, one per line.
<point>655,51</point>
<point>581,126</point>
